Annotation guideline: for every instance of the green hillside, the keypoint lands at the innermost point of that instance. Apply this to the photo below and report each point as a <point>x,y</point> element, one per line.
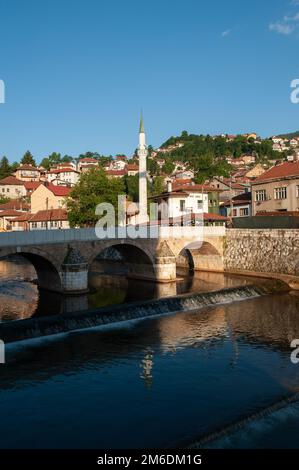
<point>291,135</point>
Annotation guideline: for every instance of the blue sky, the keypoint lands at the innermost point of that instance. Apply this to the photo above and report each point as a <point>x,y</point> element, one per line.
<point>77,72</point>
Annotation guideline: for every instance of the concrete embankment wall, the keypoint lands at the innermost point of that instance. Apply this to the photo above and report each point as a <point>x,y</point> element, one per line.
<point>37,327</point>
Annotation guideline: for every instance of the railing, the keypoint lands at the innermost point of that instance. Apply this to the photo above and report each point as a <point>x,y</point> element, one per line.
<point>39,237</point>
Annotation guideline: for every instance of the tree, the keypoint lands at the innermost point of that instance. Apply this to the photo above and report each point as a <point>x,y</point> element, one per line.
<point>92,189</point>
<point>5,169</point>
<point>132,187</point>
<point>45,163</point>
<point>153,167</point>
<point>157,186</point>
<point>66,159</point>
<point>168,167</point>
<point>54,158</point>
<point>28,159</point>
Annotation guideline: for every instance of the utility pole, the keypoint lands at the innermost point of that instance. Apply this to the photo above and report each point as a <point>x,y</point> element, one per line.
<point>47,204</point>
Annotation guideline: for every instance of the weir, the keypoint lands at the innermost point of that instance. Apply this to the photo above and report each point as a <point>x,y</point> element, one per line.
<point>43,326</point>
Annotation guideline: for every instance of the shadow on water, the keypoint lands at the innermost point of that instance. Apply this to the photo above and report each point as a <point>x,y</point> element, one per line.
<point>20,297</point>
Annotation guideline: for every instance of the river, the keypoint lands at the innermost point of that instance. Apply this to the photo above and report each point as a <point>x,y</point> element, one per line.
<point>187,379</point>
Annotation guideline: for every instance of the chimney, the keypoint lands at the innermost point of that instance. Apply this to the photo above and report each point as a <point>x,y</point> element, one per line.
<point>169,186</point>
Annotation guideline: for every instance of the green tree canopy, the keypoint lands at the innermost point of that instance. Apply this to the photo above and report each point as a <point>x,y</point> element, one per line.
<point>28,159</point>
<point>153,167</point>
<point>131,184</point>
<point>92,189</point>
<point>168,167</point>
<point>5,168</point>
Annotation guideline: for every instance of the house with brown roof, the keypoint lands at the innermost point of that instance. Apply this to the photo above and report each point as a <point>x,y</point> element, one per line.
<point>228,187</point>
<point>67,176</point>
<point>31,186</point>
<point>277,190</point>
<point>51,219</point>
<point>15,204</point>
<point>5,218</point>
<point>12,187</point>
<point>132,169</point>
<point>48,196</point>
<point>27,172</point>
<point>116,173</point>
<point>238,206</point>
<point>87,161</point>
<point>20,222</point>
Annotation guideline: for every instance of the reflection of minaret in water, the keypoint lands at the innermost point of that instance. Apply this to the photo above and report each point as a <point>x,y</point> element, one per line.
<point>142,155</point>
<point>147,366</point>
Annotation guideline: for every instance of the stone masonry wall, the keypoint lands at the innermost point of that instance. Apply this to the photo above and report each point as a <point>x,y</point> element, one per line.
<point>262,251</point>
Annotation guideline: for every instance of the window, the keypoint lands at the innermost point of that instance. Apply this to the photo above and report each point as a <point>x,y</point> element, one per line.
<point>44,224</point>
<point>260,195</point>
<point>199,204</point>
<point>234,212</point>
<point>34,225</point>
<point>297,191</point>
<point>280,193</point>
<point>244,212</point>
<point>182,205</point>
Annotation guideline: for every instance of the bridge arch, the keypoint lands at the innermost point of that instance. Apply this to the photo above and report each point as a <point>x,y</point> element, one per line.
<point>200,257</point>
<point>48,276</point>
<point>126,258</point>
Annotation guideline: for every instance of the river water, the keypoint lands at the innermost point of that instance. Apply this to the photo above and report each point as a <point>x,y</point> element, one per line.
<point>185,379</point>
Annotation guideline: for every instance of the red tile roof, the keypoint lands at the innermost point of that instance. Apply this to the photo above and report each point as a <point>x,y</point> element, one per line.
<point>48,215</point>
<point>22,218</point>
<point>27,166</point>
<point>9,213</point>
<point>184,181</point>
<point>15,204</point>
<point>132,167</point>
<point>284,170</point>
<point>11,180</point>
<point>211,217</point>
<point>116,172</point>
<point>31,185</point>
<point>88,160</point>
<point>196,188</point>
<point>62,170</point>
<point>58,190</point>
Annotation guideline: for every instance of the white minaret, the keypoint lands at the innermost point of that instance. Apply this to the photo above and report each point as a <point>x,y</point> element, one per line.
<point>142,154</point>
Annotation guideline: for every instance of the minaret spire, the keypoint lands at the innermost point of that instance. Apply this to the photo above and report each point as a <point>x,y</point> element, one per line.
<point>141,127</point>
<point>142,154</point>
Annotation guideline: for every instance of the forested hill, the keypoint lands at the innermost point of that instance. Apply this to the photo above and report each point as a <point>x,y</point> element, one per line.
<point>291,135</point>
<point>207,155</point>
<point>197,145</point>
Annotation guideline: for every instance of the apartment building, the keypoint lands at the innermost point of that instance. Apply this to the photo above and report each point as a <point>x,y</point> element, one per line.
<point>277,190</point>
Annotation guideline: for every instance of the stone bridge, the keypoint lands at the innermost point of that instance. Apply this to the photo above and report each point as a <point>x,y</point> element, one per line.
<point>62,258</point>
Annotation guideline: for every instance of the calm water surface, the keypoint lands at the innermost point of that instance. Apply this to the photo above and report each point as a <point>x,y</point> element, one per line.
<point>20,297</point>
<point>159,382</point>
